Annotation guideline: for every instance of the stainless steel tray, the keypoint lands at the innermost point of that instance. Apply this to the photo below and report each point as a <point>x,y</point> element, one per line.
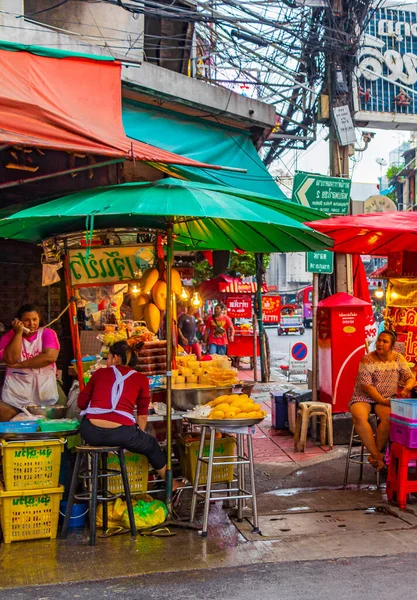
<point>38,435</point>
<point>224,422</point>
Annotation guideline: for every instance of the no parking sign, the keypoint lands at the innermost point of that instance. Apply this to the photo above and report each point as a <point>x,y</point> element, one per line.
<point>298,359</point>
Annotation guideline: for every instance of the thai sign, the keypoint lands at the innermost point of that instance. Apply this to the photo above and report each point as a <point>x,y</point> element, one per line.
<point>386,74</point>
<point>271,309</point>
<point>329,194</point>
<point>239,307</point>
<point>111,264</point>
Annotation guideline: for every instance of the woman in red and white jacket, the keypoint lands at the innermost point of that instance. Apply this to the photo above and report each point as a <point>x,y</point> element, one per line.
<point>107,403</point>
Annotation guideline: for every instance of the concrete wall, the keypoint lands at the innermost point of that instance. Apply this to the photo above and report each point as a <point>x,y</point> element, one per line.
<point>88,26</point>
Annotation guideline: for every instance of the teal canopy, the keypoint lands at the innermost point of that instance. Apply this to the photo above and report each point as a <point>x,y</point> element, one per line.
<point>203,217</point>
<point>204,141</point>
<point>50,52</point>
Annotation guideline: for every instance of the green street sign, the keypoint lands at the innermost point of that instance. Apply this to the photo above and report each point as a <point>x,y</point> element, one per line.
<point>319,262</point>
<point>329,194</point>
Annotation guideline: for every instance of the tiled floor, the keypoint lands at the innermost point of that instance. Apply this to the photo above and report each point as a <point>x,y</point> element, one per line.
<point>276,446</point>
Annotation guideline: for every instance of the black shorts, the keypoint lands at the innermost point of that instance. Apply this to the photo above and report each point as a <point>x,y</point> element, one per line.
<point>129,437</point>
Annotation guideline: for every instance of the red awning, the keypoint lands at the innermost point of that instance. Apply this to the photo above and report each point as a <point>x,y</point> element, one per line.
<point>378,234</point>
<point>380,273</point>
<point>225,284</point>
<point>71,104</point>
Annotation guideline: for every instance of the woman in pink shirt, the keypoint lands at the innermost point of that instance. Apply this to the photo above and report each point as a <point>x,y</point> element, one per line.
<point>30,352</point>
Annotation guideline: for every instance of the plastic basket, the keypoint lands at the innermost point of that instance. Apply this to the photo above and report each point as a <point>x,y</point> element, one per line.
<point>403,434</point>
<point>30,514</point>
<point>59,424</point>
<point>404,407</point>
<point>189,456</point>
<point>137,467</point>
<point>19,426</point>
<point>31,465</point>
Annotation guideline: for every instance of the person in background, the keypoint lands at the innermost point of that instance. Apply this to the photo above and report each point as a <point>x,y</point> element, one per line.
<point>187,332</point>
<point>108,401</point>
<point>383,374</point>
<point>219,331</point>
<point>30,352</point>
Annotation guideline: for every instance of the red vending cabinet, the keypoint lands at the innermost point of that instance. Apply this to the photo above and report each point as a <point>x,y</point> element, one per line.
<point>341,343</point>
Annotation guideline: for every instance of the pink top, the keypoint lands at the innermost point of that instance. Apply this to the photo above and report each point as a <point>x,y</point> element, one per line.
<point>49,340</point>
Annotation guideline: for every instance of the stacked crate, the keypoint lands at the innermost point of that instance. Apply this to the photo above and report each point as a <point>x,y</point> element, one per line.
<point>29,491</point>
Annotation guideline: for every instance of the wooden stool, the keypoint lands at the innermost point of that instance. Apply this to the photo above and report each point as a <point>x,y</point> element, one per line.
<point>94,475</point>
<point>306,410</point>
<point>401,479</point>
<point>358,457</point>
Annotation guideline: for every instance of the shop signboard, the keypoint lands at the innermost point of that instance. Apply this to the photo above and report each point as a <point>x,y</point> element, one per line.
<point>385,81</point>
<point>109,264</point>
<point>329,194</point>
<point>239,307</point>
<point>271,309</point>
<point>319,262</point>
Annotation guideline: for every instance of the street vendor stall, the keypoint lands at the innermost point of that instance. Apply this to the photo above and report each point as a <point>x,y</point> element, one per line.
<point>211,217</point>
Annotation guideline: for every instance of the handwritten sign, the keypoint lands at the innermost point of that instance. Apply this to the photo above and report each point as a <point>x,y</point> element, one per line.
<point>239,307</point>
<point>111,264</point>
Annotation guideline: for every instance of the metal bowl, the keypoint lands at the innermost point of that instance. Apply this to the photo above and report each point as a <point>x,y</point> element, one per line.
<point>50,412</point>
<point>186,398</point>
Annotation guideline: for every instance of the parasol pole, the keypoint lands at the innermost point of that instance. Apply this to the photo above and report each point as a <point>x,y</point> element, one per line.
<point>168,479</point>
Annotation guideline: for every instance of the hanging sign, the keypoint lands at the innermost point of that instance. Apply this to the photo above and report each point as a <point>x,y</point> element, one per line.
<point>239,307</point>
<point>110,264</point>
<point>319,262</point>
<point>385,80</point>
<point>271,309</point>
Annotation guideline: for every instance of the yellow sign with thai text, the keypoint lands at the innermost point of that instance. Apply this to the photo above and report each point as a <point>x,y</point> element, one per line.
<point>112,264</point>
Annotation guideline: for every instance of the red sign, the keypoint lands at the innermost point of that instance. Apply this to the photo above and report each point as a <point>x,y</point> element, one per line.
<point>271,309</point>
<point>239,307</point>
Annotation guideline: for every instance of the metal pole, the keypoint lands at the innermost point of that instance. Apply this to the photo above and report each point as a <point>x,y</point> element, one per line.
<point>169,366</point>
<point>75,334</point>
<point>259,264</point>
<point>255,345</point>
<point>315,361</point>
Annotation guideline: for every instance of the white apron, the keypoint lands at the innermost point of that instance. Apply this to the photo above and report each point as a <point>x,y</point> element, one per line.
<point>30,386</point>
<point>116,394</point>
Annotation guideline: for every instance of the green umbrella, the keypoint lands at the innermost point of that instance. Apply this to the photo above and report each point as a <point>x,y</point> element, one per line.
<point>203,217</point>
<point>196,216</point>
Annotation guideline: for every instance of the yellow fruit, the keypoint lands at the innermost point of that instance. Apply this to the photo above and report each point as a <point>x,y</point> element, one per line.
<point>217,414</point>
<point>256,407</point>
<point>176,283</point>
<point>138,306</point>
<point>149,278</point>
<point>263,413</point>
<point>223,406</point>
<point>242,415</point>
<point>236,416</point>
<point>259,414</point>
<point>159,294</point>
<point>220,400</point>
<point>253,414</point>
<point>238,402</point>
<point>247,407</point>
<point>234,409</point>
<point>152,317</point>
<point>229,415</point>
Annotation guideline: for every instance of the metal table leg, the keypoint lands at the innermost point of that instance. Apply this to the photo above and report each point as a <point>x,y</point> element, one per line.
<point>197,475</point>
<point>209,477</point>
<point>240,476</point>
<point>252,486</point>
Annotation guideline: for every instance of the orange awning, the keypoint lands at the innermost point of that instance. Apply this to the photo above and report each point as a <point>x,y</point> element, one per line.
<point>71,104</point>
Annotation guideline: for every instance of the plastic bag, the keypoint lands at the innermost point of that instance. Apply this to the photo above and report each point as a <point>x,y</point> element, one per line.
<point>116,510</point>
<point>50,273</point>
<point>147,514</point>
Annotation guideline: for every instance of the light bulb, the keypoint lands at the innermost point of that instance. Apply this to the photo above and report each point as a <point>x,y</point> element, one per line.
<point>394,295</point>
<point>184,294</point>
<point>379,292</point>
<point>135,289</point>
<point>196,300</point>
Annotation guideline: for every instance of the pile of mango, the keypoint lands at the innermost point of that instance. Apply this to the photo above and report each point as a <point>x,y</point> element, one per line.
<point>235,406</point>
<point>153,299</point>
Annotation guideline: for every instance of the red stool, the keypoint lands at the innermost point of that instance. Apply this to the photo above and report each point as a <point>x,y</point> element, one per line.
<point>401,480</point>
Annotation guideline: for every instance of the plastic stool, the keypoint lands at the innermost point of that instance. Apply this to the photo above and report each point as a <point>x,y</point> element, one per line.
<point>97,475</point>
<point>306,410</point>
<point>357,458</point>
<point>401,479</point>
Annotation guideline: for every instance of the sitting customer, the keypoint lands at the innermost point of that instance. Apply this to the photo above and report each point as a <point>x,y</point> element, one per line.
<point>108,401</point>
<point>381,375</point>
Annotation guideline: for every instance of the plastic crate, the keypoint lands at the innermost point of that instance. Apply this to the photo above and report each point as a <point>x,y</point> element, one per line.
<point>30,514</point>
<point>137,467</point>
<point>404,407</point>
<point>189,456</point>
<point>19,426</point>
<point>31,465</point>
<point>403,434</point>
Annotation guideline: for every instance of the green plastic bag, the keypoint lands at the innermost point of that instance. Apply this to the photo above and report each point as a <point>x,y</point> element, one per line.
<point>147,514</point>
